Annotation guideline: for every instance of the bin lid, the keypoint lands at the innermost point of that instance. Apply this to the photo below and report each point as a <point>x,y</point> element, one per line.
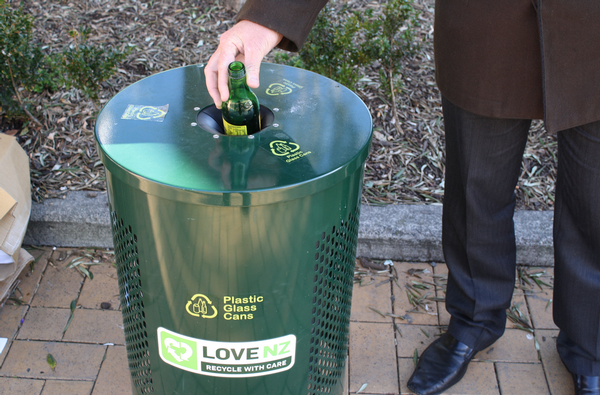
<point>150,133</point>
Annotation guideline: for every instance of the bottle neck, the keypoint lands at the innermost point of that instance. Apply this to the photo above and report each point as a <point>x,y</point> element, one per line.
<point>237,75</point>
<point>237,83</point>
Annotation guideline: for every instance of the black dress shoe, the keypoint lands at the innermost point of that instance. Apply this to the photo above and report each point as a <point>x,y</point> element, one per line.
<point>586,385</point>
<point>441,366</point>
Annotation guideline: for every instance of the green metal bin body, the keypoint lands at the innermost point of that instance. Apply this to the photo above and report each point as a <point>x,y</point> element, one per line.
<point>235,255</point>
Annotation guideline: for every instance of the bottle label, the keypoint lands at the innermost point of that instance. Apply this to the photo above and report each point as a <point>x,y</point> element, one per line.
<point>235,130</point>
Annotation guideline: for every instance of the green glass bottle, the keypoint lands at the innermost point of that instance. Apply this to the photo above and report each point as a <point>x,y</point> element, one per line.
<point>241,112</point>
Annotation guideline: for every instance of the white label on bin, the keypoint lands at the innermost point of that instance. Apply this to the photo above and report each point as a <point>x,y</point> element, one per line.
<point>146,113</point>
<point>227,359</point>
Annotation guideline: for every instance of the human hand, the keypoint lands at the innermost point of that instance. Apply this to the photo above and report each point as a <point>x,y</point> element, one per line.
<point>247,42</point>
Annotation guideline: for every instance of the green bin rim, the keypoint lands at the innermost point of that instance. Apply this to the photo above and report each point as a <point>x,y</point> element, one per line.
<point>351,133</point>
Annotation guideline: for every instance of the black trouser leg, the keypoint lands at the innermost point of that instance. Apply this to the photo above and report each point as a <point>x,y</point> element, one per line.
<point>483,160</point>
<point>577,249</point>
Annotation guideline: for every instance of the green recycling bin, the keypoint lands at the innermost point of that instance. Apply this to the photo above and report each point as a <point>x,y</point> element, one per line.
<point>235,254</point>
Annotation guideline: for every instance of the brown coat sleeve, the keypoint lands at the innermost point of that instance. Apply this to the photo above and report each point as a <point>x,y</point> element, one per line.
<point>521,58</point>
<point>487,55</point>
<point>570,39</point>
<point>292,18</point>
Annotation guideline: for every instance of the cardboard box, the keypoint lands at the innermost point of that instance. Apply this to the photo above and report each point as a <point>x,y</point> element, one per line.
<point>15,207</point>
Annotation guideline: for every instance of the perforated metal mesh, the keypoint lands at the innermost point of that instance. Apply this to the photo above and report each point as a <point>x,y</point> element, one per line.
<point>334,273</point>
<point>132,304</point>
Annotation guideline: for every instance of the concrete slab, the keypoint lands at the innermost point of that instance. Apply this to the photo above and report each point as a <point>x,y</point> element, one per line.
<point>103,288</point>
<point>519,378</point>
<point>27,359</point>
<point>441,279</point>
<point>368,298</point>
<point>480,379</point>
<point>59,286</point>
<point>43,323</point>
<point>59,387</point>
<point>10,321</point>
<point>93,326</point>
<point>380,352</point>
<point>419,277</point>
<point>414,232</point>
<point>29,279</point>
<point>373,358</point>
<point>406,367</point>
<point>11,386</point>
<point>540,305</point>
<point>520,309</point>
<point>114,378</point>
<point>559,379</point>
<point>81,219</point>
<point>414,337</point>
<point>399,232</point>
<point>515,345</point>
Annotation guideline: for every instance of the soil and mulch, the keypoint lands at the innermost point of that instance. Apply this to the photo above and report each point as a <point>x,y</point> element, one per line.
<point>406,163</point>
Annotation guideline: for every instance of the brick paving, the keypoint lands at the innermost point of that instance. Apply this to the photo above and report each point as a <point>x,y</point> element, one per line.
<point>390,324</point>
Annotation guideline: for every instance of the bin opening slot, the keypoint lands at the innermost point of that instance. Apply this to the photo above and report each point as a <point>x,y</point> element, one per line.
<point>211,119</point>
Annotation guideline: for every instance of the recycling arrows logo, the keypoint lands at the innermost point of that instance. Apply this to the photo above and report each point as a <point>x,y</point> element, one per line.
<point>149,112</point>
<point>281,148</point>
<point>178,350</point>
<point>172,347</point>
<point>277,89</point>
<point>201,306</point>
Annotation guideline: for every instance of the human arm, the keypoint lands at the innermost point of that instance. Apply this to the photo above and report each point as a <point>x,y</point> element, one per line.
<point>247,42</point>
<point>262,25</point>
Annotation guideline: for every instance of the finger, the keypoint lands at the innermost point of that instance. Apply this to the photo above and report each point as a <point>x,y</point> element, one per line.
<point>216,69</point>
<point>252,63</point>
<point>211,72</point>
<point>223,78</point>
<point>230,47</point>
